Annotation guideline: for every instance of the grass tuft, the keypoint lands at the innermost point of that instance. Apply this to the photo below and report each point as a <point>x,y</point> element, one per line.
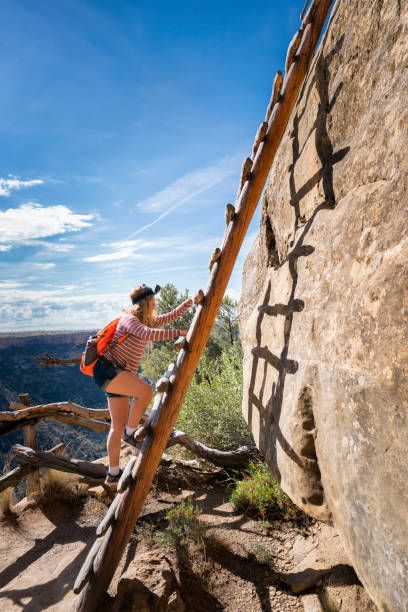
<point>146,531</point>
<point>6,502</point>
<point>93,510</point>
<point>54,489</point>
<point>7,497</point>
<point>263,554</point>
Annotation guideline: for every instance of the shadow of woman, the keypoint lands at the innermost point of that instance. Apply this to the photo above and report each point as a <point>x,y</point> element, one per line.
<point>46,594</point>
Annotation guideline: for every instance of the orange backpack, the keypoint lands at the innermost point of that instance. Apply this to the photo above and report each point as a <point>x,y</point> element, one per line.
<point>97,345</point>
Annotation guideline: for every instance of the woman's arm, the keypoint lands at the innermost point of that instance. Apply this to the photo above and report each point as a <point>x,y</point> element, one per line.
<point>132,325</point>
<point>175,314</point>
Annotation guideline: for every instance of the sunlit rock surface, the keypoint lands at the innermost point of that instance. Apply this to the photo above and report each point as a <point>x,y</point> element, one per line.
<point>323,313</point>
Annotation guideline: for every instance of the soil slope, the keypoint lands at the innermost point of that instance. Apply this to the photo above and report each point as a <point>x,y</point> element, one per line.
<point>42,549</point>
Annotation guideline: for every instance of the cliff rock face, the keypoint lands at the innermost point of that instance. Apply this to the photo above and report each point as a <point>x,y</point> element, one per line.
<point>324,308</point>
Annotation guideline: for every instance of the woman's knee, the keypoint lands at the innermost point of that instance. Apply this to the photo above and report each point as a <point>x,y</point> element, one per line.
<point>115,435</point>
<point>144,391</point>
<point>117,427</point>
<point>148,393</point>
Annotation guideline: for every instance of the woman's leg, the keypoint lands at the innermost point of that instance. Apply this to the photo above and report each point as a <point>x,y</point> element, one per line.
<point>137,409</point>
<point>119,409</point>
<point>129,384</point>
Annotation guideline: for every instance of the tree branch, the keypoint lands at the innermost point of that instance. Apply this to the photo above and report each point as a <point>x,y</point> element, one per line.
<point>67,412</point>
<point>48,360</point>
<point>12,478</point>
<point>235,458</point>
<point>91,471</point>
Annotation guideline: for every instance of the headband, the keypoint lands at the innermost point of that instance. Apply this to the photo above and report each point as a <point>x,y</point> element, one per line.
<point>141,296</point>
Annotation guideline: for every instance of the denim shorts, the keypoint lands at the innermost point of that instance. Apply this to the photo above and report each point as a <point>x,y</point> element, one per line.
<point>104,373</point>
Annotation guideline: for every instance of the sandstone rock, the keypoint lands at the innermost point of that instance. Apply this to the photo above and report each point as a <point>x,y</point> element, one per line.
<point>175,603</point>
<point>149,585</point>
<point>324,308</point>
<point>342,592</point>
<point>303,577</point>
<point>315,559</point>
<point>325,548</point>
<point>311,603</point>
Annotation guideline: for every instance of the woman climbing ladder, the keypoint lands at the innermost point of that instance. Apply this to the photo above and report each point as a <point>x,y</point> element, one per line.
<point>116,371</point>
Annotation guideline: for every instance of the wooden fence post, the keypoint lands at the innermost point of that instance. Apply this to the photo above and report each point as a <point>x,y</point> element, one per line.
<point>33,479</point>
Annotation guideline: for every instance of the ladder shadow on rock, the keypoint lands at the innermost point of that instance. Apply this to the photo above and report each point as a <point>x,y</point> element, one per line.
<point>270,408</point>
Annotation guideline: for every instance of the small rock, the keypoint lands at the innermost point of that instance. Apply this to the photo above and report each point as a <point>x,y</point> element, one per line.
<point>149,585</point>
<point>175,603</point>
<point>302,579</point>
<point>311,603</point>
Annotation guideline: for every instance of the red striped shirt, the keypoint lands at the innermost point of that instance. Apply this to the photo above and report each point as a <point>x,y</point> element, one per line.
<point>127,354</point>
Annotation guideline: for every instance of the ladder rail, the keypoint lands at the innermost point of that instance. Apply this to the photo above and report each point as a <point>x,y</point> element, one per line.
<point>103,560</point>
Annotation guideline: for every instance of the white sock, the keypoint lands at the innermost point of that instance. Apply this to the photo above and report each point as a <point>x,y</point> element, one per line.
<point>130,430</point>
<point>114,470</point>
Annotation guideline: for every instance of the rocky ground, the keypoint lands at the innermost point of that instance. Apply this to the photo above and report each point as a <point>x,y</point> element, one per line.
<point>239,564</point>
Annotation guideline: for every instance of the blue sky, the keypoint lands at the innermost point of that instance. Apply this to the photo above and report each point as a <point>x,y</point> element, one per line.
<point>123,128</point>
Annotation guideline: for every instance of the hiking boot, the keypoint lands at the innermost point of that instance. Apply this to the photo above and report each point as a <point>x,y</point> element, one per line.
<point>130,440</point>
<point>113,480</point>
<point>145,417</point>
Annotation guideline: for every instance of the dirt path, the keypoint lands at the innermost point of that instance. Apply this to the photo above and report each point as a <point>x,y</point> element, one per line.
<point>40,553</point>
<point>42,549</point>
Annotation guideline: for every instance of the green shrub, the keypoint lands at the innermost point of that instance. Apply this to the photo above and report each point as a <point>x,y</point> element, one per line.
<point>212,409</point>
<point>194,542</point>
<point>185,523</point>
<point>259,495</point>
<point>184,527</point>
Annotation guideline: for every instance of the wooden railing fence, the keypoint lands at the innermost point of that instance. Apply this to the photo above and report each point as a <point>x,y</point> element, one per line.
<point>26,417</point>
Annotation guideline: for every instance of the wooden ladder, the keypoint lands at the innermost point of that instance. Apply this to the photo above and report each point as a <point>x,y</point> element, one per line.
<point>114,531</point>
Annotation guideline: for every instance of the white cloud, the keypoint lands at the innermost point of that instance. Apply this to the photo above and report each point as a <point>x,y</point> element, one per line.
<point>161,249</point>
<point>187,188</point>
<point>59,247</point>
<point>30,221</point>
<point>24,309</point>
<point>9,285</point>
<point>69,287</point>
<point>52,246</point>
<point>122,254</point>
<point>172,269</point>
<point>190,185</point>
<point>121,250</point>
<point>6,185</point>
<point>45,266</point>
